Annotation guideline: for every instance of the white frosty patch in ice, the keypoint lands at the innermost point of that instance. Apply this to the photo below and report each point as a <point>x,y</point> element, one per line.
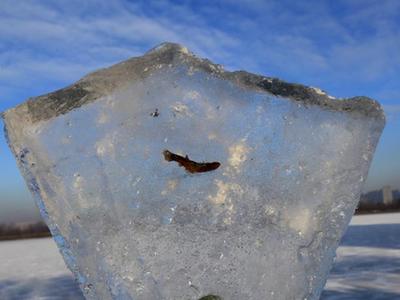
<point>184,50</point>
<point>102,118</point>
<point>238,154</point>
<point>193,95</point>
<point>222,195</point>
<point>318,91</point>
<point>80,185</point>
<point>191,70</point>
<point>182,109</point>
<point>105,147</point>
<point>225,193</point>
<point>321,92</point>
<point>170,186</point>
<point>212,136</point>
<point>300,220</point>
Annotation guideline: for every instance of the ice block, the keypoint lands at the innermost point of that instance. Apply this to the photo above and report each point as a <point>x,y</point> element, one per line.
<point>167,177</point>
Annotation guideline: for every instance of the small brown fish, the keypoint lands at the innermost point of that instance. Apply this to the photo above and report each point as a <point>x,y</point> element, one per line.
<point>190,165</point>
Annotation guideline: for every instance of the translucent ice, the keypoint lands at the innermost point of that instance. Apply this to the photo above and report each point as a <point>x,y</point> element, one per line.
<point>255,210</point>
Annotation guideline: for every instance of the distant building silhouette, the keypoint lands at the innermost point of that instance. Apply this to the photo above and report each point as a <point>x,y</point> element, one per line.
<point>372,197</point>
<point>387,195</point>
<point>396,196</point>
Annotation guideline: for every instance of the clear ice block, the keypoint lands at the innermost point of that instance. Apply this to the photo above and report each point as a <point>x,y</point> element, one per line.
<point>133,223</point>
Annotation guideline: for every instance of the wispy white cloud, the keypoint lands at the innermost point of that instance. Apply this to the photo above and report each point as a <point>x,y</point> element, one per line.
<point>62,42</point>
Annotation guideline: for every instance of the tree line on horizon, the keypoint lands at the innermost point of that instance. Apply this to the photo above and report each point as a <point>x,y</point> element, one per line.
<point>16,231</point>
<point>383,200</point>
<point>371,207</point>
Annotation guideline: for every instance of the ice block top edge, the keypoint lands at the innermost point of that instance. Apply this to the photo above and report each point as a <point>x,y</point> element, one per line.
<point>104,81</point>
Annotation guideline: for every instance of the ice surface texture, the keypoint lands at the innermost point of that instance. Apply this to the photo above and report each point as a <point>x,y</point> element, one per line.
<point>134,223</point>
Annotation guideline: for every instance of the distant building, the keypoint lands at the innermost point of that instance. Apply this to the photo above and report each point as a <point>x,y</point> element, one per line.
<point>396,196</point>
<point>379,200</point>
<point>372,197</point>
<point>387,194</point>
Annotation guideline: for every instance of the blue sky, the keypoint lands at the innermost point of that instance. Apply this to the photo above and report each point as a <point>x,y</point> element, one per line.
<point>347,48</point>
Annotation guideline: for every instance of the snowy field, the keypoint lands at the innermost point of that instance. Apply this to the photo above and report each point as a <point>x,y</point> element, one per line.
<point>368,260</point>
<point>367,266</point>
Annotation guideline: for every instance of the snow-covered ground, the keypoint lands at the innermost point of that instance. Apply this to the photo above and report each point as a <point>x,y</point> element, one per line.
<point>367,266</point>
<point>34,269</point>
<point>368,260</point>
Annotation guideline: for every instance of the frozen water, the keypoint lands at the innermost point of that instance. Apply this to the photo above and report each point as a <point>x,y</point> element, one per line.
<point>273,174</point>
